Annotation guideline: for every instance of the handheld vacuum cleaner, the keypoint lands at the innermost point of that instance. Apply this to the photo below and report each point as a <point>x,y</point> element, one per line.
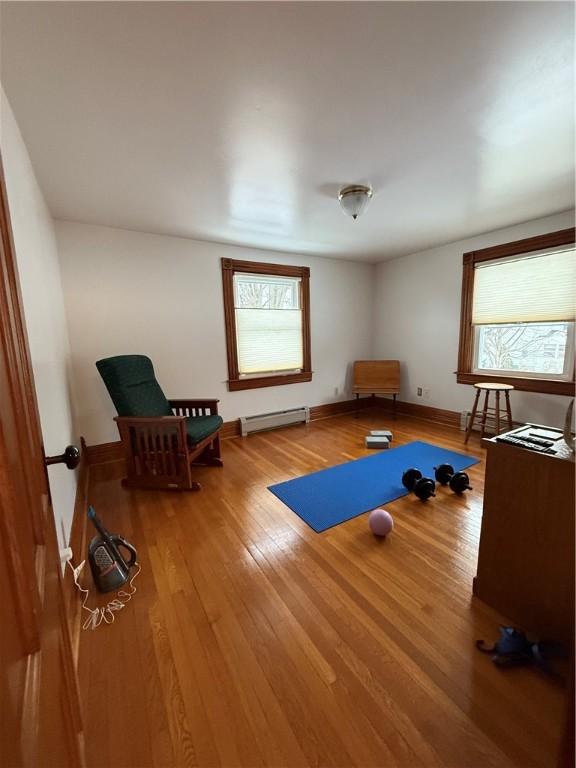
<point>110,569</point>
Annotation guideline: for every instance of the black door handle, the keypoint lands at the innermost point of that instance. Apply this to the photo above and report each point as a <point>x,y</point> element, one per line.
<point>70,457</point>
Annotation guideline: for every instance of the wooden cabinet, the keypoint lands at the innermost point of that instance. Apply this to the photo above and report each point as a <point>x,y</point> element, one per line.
<point>526,555</point>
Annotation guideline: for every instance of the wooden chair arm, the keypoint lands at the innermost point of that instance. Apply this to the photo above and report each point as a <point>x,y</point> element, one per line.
<point>196,407</point>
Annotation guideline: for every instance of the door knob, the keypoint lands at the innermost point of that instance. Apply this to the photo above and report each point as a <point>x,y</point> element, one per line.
<point>70,457</point>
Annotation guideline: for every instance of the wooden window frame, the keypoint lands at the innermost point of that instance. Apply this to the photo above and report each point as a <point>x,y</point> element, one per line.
<point>229,268</point>
<point>464,374</point>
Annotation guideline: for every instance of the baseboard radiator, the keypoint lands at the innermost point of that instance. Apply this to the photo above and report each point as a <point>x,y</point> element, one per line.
<point>263,421</point>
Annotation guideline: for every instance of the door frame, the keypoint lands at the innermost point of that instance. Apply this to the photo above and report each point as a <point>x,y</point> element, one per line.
<point>31,576</point>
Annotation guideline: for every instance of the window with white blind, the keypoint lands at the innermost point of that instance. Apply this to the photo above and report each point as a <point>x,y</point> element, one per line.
<point>267,323</point>
<point>519,310</point>
<point>523,312</point>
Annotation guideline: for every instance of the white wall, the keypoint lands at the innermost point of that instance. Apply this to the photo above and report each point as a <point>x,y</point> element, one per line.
<point>129,292</point>
<point>39,272</point>
<point>417,320</point>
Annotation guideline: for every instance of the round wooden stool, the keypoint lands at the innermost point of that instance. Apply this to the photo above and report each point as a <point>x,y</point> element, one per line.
<point>490,415</point>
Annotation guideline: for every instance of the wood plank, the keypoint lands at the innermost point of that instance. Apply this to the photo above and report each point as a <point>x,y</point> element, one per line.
<point>424,412</point>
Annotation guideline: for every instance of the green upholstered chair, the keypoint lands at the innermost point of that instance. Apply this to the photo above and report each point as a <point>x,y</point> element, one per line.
<point>162,439</point>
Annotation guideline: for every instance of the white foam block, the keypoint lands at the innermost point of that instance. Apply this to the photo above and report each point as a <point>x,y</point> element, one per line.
<point>381,433</point>
<point>374,441</point>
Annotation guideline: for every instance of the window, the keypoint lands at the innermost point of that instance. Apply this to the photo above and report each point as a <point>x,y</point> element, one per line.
<point>268,324</point>
<point>543,350</point>
<point>518,312</point>
<point>267,313</point>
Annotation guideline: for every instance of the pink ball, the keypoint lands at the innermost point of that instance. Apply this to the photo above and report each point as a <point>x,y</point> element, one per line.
<point>381,522</point>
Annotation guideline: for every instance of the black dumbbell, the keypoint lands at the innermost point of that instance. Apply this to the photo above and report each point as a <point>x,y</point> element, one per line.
<point>422,487</point>
<point>458,481</point>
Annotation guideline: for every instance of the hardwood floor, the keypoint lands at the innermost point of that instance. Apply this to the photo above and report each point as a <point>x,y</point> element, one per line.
<point>254,641</point>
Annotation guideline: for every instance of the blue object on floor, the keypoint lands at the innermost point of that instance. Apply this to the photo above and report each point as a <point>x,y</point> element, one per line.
<point>329,497</point>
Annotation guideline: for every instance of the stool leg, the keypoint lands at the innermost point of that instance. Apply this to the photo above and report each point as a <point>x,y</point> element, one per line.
<point>484,414</point>
<point>497,412</point>
<point>472,417</point>
<point>509,410</point>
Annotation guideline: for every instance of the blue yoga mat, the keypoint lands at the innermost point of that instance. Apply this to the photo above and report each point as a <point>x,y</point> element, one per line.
<point>329,497</point>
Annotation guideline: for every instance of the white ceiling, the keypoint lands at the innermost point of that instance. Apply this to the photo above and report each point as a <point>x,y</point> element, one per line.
<point>238,122</point>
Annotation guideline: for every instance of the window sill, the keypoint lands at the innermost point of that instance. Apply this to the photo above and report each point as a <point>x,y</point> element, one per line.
<point>268,381</point>
<point>524,384</point>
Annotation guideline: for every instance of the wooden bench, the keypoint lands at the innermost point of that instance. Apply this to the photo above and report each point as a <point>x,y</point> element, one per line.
<point>377,377</point>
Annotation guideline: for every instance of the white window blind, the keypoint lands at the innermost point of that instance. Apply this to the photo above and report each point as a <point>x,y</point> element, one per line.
<point>268,324</point>
<point>532,288</point>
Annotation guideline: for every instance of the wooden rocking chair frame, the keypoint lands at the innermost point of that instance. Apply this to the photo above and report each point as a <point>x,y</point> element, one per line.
<point>157,449</point>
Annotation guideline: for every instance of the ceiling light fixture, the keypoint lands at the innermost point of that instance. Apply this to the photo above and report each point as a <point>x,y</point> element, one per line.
<point>354,198</point>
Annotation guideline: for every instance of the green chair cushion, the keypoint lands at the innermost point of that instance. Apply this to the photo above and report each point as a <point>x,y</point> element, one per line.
<point>200,427</point>
<point>132,385</point>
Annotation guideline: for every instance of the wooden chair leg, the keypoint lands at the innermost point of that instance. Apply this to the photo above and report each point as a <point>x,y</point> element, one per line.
<point>509,410</point>
<point>357,404</point>
<point>394,406</point>
<point>484,414</point>
<point>210,456</point>
<point>497,412</point>
<point>216,458</point>
<point>472,417</point>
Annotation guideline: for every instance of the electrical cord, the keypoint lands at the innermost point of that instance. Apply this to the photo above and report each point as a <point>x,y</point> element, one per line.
<point>106,613</point>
